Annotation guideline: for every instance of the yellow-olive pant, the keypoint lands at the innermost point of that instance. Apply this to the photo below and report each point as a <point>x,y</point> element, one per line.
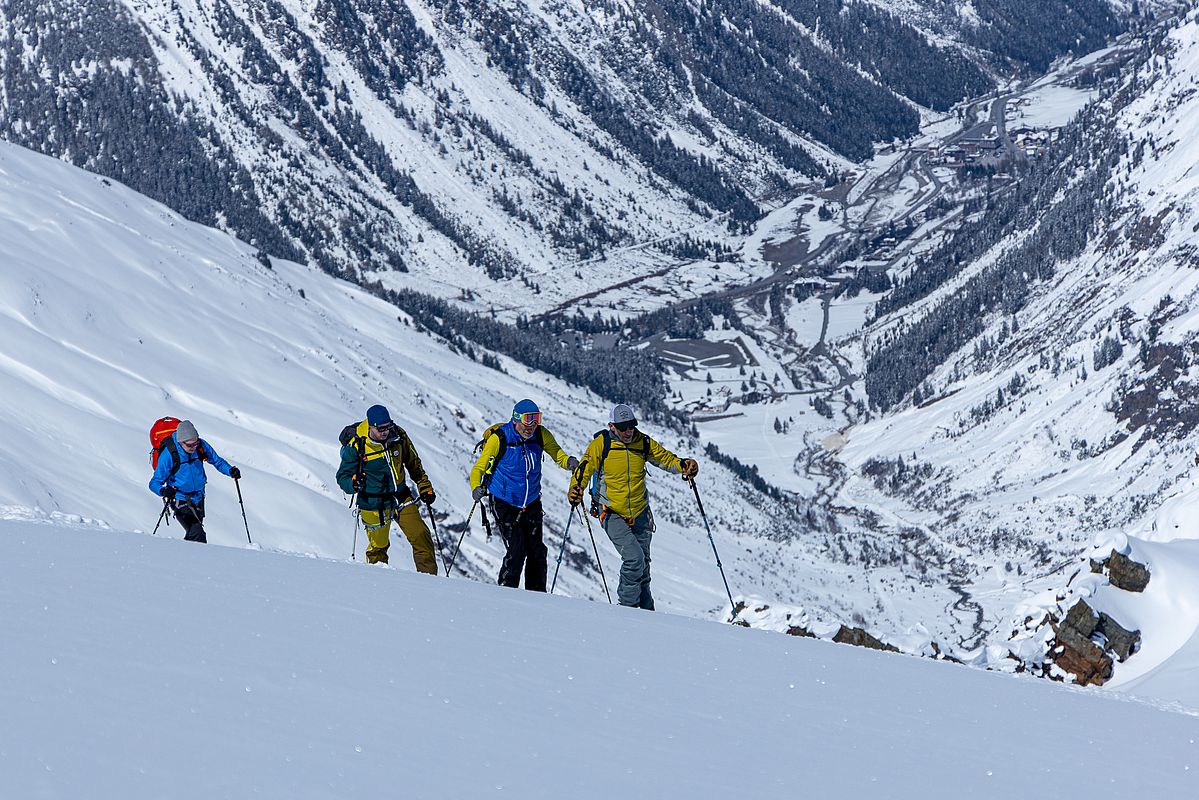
<point>378,529</point>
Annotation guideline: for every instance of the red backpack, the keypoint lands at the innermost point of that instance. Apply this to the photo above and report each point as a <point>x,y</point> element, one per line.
<point>160,431</point>
<point>161,439</point>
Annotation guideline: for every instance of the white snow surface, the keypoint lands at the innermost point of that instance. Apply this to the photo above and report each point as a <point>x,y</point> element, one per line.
<point>145,667</point>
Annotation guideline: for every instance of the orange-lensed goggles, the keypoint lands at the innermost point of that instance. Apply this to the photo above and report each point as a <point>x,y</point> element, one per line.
<point>528,418</point>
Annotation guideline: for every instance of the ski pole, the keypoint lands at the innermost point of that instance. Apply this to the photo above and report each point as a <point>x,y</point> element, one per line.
<point>237,483</point>
<point>437,539</point>
<point>357,522</point>
<point>457,547</point>
<point>562,549</point>
<point>578,475</point>
<point>712,541</point>
<point>161,517</point>
<point>597,559</point>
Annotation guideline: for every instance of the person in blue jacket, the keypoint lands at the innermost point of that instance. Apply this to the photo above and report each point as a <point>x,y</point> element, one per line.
<point>509,468</point>
<point>179,477</point>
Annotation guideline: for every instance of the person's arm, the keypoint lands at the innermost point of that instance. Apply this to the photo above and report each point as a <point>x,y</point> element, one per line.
<point>349,465</point>
<point>591,459</point>
<point>554,450</point>
<point>221,464</point>
<point>662,458</point>
<point>424,487</point>
<point>486,462</point>
<point>162,471</point>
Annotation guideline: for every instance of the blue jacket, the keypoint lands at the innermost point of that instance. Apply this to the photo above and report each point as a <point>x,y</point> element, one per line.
<point>516,476</point>
<point>189,480</point>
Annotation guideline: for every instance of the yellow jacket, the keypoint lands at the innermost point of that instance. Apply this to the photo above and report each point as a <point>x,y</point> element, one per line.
<point>621,484</point>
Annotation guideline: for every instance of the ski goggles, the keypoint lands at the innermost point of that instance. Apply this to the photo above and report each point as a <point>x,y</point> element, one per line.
<point>528,418</point>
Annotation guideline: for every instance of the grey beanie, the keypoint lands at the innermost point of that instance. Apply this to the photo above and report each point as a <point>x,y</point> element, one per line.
<point>622,413</point>
<point>186,431</point>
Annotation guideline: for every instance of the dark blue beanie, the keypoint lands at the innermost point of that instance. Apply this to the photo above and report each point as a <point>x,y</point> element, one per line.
<point>524,407</point>
<point>377,415</point>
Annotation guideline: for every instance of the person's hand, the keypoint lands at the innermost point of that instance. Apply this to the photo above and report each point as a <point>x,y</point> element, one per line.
<point>358,483</point>
<point>168,492</point>
<point>575,494</point>
<point>690,468</point>
<point>572,463</point>
<point>235,473</point>
<point>428,497</point>
<point>479,493</point>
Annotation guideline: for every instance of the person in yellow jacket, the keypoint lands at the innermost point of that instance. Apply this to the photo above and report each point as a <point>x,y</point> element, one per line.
<point>618,457</point>
<point>509,469</point>
<point>376,454</point>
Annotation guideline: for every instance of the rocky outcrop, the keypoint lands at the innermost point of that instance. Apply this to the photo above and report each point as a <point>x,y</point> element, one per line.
<point>1119,639</point>
<point>1073,651</point>
<point>859,638</point>
<point>1126,574</point>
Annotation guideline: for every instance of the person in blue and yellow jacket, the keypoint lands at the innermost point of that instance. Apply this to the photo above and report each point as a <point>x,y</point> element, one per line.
<point>376,455</point>
<point>179,477</point>
<point>617,458</point>
<point>509,468</point>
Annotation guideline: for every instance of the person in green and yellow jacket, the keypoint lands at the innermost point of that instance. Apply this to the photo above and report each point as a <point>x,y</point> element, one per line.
<point>375,456</point>
<point>617,457</point>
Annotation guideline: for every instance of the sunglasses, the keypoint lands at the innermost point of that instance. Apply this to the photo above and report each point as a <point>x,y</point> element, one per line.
<point>385,427</point>
<point>192,445</point>
<point>528,418</point>
<point>625,426</point>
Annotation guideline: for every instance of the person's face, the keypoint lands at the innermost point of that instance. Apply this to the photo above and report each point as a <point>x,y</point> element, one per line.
<point>190,445</point>
<point>526,424</point>
<point>624,431</point>
<point>382,432</point>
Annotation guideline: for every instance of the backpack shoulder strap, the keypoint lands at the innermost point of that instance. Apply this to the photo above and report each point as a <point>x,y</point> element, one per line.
<point>604,432</point>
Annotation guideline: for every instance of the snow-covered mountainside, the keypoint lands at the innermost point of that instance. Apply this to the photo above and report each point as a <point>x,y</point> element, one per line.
<point>134,667</point>
<point>114,311</point>
<point>526,151</point>
<point>1042,390</point>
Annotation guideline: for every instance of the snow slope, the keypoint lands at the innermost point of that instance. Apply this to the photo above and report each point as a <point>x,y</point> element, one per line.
<point>140,667</point>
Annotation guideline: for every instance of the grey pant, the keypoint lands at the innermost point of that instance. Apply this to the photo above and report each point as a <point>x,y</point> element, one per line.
<point>633,546</point>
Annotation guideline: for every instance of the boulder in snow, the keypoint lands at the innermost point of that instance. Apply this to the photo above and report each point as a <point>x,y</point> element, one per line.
<point>1126,574</point>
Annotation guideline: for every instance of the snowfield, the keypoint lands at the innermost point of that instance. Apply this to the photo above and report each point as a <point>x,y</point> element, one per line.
<point>145,667</point>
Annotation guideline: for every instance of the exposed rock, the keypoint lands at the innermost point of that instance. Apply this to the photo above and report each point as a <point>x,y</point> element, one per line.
<point>859,638</point>
<point>796,630</point>
<point>1126,574</point>
<point>1074,652</point>
<point>1120,640</point>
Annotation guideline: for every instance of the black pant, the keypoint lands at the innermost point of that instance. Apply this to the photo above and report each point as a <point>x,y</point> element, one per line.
<point>521,531</point>
<point>191,517</point>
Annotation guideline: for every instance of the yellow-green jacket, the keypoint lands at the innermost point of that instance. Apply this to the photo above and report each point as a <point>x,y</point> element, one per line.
<point>383,467</point>
<point>621,484</point>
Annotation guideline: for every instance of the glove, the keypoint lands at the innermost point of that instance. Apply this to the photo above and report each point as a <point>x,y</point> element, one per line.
<point>235,473</point>
<point>690,467</point>
<point>479,493</point>
<point>428,497</point>
<point>358,483</point>
<point>168,492</point>
<point>575,494</point>
<point>572,463</point>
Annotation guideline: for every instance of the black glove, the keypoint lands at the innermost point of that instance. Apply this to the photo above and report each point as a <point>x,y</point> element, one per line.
<point>428,497</point>
<point>235,473</point>
<point>168,492</point>
<point>572,463</point>
<point>358,483</point>
<point>479,493</point>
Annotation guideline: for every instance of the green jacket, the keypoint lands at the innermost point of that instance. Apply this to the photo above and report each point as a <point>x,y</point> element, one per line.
<point>384,466</point>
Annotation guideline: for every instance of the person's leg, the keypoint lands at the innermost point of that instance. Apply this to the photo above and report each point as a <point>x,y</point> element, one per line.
<point>643,530</point>
<point>424,556</point>
<point>632,559</point>
<point>378,535</point>
<point>535,550</point>
<point>191,517</point>
<point>508,519</point>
